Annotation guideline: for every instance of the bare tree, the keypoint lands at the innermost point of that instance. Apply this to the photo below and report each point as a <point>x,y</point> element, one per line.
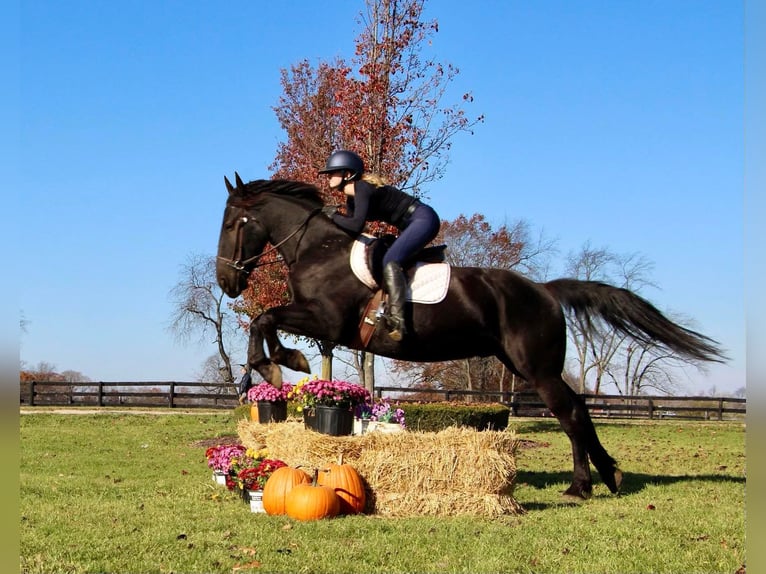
<point>610,357</point>
<point>213,373</point>
<point>74,377</point>
<point>45,371</point>
<point>642,367</point>
<point>199,311</point>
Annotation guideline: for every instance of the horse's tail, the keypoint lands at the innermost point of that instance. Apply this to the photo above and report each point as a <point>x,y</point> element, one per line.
<point>633,316</point>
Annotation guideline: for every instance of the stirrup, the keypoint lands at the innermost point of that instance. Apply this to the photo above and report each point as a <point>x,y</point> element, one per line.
<point>395,327</point>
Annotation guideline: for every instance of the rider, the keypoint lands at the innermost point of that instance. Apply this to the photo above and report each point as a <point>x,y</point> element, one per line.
<point>370,199</point>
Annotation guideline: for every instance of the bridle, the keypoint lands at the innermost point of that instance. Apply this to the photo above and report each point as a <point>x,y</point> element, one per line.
<point>242,266</point>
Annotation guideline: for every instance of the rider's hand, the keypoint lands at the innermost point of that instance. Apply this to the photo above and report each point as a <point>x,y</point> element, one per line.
<point>330,210</point>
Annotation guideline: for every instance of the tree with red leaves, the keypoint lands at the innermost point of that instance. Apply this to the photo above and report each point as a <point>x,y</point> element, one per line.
<point>387,105</point>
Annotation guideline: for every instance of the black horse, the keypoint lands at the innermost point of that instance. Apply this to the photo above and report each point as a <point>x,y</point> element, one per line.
<point>485,312</point>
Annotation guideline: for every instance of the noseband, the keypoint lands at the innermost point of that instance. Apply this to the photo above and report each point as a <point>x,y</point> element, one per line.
<point>242,266</point>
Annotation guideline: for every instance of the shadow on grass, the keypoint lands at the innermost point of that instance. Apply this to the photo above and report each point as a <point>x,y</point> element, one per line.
<point>632,483</point>
<point>537,426</point>
<point>537,506</point>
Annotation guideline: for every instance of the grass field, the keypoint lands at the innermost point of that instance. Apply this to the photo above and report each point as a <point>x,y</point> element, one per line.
<point>117,492</point>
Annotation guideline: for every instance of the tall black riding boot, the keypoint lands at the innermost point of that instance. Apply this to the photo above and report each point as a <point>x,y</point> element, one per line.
<point>395,284</point>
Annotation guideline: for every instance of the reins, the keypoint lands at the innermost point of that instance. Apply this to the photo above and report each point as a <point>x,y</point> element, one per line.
<point>240,265</point>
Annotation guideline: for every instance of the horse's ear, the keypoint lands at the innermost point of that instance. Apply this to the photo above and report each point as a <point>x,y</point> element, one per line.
<point>238,180</point>
<point>229,187</point>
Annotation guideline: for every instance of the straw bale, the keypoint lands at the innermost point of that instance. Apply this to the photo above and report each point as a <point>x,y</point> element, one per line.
<point>451,472</point>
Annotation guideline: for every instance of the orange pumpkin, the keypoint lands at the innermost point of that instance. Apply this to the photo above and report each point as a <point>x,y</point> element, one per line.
<point>347,484</point>
<point>279,485</point>
<point>312,501</point>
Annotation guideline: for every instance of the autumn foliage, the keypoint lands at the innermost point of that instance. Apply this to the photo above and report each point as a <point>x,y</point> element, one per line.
<point>386,105</point>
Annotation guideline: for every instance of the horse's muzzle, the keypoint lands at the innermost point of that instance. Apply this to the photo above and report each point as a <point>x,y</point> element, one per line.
<point>232,278</point>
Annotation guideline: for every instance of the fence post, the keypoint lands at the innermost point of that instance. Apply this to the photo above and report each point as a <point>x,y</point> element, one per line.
<point>171,393</point>
<point>31,393</point>
<point>720,409</point>
<point>101,393</point>
<point>651,409</point>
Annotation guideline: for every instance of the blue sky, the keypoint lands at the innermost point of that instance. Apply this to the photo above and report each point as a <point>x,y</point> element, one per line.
<point>614,123</point>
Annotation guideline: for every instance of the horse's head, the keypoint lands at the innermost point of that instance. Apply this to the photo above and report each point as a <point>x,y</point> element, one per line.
<point>241,241</point>
<point>263,211</point>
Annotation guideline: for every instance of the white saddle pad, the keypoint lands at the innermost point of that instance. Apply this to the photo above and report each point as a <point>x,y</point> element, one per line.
<point>426,282</point>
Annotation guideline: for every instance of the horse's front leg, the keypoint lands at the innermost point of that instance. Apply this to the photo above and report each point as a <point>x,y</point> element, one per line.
<point>258,360</point>
<point>293,318</point>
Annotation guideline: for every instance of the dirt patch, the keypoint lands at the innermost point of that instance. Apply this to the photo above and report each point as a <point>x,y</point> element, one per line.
<point>208,442</point>
<point>525,443</point>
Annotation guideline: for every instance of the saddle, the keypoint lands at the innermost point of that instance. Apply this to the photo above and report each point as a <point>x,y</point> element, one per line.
<point>427,277</point>
<point>367,258</point>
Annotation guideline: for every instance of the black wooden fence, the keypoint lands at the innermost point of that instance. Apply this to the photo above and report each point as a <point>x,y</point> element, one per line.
<point>205,395</point>
<point>144,394</point>
<point>528,403</point>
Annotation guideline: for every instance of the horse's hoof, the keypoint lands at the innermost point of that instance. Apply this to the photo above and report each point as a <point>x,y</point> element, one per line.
<point>613,480</point>
<point>297,361</point>
<point>617,480</point>
<point>576,493</point>
<point>275,376</point>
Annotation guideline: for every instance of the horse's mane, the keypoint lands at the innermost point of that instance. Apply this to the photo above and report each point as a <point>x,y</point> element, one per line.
<point>248,195</point>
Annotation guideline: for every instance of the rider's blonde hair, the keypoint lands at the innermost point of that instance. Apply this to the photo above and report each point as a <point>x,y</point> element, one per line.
<point>374,179</point>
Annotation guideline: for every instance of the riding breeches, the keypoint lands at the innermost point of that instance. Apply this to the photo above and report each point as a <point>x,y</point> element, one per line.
<point>420,229</point>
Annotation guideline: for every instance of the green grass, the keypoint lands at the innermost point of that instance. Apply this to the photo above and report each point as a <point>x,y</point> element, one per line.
<point>132,493</point>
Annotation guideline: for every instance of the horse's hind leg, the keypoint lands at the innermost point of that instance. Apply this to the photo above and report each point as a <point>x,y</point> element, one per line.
<point>574,418</point>
<point>566,407</point>
<point>537,354</point>
<point>572,413</point>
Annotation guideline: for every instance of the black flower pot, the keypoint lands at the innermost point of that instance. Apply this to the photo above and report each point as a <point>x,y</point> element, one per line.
<point>335,421</point>
<point>310,419</point>
<point>272,411</point>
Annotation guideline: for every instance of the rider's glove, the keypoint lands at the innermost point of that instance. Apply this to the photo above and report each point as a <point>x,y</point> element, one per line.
<point>330,210</point>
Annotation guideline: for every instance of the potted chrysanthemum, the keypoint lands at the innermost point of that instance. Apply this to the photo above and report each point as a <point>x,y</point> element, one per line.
<point>252,479</point>
<point>331,402</point>
<point>220,459</point>
<point>379,415</point>
<point>270,401</point>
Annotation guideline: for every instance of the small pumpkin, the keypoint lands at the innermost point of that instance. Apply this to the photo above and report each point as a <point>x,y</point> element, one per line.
<point>279,485</point>
<point>312,501</point>
<point>347,484</point>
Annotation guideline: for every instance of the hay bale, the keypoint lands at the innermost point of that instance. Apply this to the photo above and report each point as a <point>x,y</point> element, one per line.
<point>446,473</point>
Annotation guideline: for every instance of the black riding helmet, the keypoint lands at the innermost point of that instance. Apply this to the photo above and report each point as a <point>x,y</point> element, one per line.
<point>344,160</point>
